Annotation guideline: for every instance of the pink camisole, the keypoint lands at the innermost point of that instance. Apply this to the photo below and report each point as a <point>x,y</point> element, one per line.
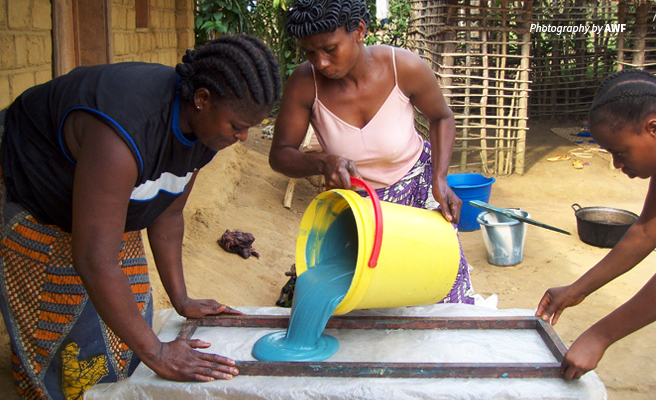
<point>385,149</point>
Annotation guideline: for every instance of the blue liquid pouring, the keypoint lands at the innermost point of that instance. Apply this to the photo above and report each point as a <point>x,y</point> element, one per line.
<point>318,292</point>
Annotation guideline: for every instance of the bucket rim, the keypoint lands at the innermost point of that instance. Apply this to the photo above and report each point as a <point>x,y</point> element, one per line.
<point>489,181</point>
<point>362,272</point>
<point>480,220</point>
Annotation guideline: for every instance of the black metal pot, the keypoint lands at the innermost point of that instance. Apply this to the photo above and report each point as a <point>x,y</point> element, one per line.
<point>602,226</point>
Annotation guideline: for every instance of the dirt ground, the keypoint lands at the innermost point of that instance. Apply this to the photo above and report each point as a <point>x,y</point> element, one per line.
<point>238,190</point>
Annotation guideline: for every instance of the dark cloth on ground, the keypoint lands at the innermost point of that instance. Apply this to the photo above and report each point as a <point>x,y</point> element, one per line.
<point>238,242</point>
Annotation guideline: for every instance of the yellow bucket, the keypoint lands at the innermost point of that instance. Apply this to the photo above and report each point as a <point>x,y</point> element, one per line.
<point>413,261</point>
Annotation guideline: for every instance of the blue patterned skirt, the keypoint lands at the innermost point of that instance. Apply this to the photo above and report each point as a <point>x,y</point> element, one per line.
<point>415,189</point>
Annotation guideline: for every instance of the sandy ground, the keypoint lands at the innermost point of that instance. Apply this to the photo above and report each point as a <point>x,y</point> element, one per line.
<point>238,190</point>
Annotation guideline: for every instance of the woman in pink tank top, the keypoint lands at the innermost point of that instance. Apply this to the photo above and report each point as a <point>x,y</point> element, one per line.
<point>361,100</point>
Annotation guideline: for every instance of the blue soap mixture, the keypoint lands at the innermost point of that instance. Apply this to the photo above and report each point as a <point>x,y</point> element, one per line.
<point>319,290</point>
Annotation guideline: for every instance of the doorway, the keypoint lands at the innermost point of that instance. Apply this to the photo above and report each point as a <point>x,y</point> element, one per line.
<point>81,32</point>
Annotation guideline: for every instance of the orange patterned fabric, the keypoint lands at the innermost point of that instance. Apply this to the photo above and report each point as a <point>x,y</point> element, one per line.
<point>61,346</point>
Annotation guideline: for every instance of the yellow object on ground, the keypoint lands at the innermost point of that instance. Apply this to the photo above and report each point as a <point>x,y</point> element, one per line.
<point>578,164</point>
<point>558,157</point>
<point>418,260</point>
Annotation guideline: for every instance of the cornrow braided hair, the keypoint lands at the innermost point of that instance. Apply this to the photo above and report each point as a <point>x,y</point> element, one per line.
<point>625,97</point>
<point>309,17</point>
<point>234,68</point>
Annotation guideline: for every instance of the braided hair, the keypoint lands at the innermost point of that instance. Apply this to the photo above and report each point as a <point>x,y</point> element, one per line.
<point>624,98</point>
<point>309,17</point>
<point>237,69</point>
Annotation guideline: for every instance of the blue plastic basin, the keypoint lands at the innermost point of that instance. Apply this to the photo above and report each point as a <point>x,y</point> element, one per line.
<point>468,187</point>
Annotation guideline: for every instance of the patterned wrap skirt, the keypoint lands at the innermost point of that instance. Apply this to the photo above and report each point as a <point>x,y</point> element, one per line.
<point>415,189</point>
<point>60,345</point>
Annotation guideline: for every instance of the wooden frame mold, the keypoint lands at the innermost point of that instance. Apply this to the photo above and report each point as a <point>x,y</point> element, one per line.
<point>394,370</point>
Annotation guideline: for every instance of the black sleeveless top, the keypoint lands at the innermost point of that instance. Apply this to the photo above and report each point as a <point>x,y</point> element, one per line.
<point>138,101</point>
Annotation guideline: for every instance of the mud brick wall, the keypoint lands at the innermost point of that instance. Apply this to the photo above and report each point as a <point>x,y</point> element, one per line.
<point>26,37</point>
<point>25,46</point>
<point>168,34</point>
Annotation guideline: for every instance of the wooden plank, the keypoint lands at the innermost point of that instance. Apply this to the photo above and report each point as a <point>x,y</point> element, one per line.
<point>553,342</point>
<point>63,37</point>
<point>368,322</point>
<point>398,370</point>
<point>188,329</point>
<point>94,32</point>
<point>394,370</point>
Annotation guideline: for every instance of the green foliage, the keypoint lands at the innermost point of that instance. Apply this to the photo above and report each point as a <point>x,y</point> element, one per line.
<point>394,31</point>
<point>266,20</point>
<point>217,17</point>
<point>262,18</point>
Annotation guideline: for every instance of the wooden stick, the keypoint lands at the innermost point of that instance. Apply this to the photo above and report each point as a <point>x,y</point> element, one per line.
<point>483,152</point>
<point>289,194</point>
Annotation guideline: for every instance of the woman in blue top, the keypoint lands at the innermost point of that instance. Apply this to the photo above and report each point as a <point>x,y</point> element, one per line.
<point>88,160</point>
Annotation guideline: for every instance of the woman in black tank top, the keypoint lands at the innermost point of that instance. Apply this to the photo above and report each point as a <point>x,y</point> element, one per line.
<point>89,159</point>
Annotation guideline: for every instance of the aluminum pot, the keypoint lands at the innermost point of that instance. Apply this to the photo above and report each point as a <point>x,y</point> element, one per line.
<point>602,226</point>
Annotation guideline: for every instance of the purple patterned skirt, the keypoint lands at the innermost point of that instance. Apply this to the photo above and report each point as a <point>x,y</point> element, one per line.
<point>415,190</point>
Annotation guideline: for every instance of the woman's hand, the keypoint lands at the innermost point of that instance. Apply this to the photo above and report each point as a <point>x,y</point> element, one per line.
<point>449,201</point>
<point>195,308</point>
<point>338,171</point>
<point>555,301</point>
<point>179,361</point>
<point>584,355</point>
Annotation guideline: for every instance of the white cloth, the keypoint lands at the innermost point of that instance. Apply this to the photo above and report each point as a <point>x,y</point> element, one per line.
<point>379,346</point>
<point>382,9</point>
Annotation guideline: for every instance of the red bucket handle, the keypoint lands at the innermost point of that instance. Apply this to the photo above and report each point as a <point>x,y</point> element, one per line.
<point>378,213</point>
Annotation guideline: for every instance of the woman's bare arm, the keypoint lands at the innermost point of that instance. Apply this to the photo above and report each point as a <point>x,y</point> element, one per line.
<point>290,130</point>
<point>636,244</point>
<point>165,235</point>
<point>105,175</point>
<point>419,83</point>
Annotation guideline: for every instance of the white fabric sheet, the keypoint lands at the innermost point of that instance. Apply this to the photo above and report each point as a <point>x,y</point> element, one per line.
<point>370,345</point>
<point>382,9</point>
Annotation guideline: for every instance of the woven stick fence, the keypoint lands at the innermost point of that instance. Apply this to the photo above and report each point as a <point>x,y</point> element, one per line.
<point>567,67</point>
<point>636,46</point>
<point>479,50</point>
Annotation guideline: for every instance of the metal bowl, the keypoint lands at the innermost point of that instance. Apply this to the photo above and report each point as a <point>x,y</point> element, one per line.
<point>602,226</point>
